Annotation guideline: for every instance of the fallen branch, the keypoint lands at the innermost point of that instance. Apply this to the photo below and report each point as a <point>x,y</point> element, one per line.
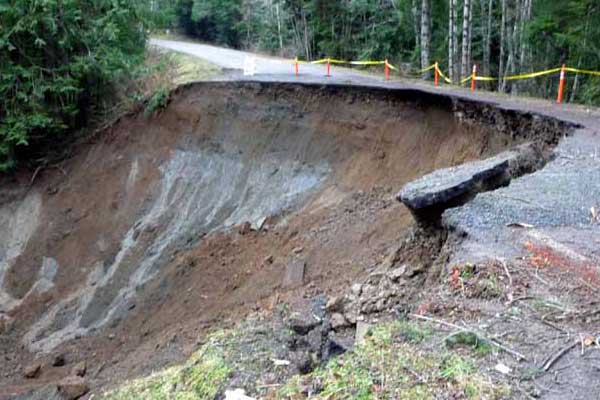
<point>502,347</point>
<point>553,359</point>
<point>37,170</point>
<point>509,296</point>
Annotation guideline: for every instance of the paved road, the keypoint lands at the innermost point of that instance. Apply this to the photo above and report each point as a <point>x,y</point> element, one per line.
<point>265,66</point>
<point>275,69</point>
<point>556,199</point>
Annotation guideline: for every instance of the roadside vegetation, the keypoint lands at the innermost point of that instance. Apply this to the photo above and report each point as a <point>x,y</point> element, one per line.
<point>62,63</point>
<point>398,359</point>
<point>68,66</point>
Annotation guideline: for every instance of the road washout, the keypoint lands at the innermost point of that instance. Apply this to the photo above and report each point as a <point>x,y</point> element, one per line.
<point>189,218</point>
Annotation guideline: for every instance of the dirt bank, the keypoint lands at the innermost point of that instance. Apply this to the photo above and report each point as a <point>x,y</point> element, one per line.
<point>127,253</point>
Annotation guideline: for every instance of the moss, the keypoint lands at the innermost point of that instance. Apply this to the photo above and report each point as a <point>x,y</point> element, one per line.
<point>469,339</point>
<point>398,360</point>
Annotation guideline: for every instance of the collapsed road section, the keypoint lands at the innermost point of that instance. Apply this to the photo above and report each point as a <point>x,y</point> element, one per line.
<point>162,227</point>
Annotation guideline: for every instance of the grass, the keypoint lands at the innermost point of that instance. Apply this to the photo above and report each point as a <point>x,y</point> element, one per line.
<point>398,360</point>
<point>190,69</point>
<point>151,83</point>
<point>202,377</point>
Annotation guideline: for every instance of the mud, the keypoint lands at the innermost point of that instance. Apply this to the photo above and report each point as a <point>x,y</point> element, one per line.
<point>127,253</point>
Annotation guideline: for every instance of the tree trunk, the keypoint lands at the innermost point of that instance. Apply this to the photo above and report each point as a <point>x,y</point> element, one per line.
<point>487,37</point>
<point>425,37</point>
<point>417,23</point>
<point>279,27</point>
<point>452,41</point>
<point>579,61</point>
<point>465,64</point>
<point>502,72</point>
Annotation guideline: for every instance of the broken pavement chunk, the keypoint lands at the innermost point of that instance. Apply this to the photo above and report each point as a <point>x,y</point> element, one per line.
<point>294,274</point>
<point>429,196</point>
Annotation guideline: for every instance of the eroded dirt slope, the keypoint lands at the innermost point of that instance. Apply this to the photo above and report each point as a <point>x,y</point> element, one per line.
<point>126,254</point>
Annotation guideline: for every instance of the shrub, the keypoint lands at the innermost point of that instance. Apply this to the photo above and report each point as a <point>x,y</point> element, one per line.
<point>58,58</point>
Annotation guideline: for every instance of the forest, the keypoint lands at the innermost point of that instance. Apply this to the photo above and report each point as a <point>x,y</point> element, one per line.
<point>503,37</point>
<point>60,60</point>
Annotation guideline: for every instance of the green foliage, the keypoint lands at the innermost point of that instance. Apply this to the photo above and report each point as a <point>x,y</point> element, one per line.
<point>158,101</point>
<point>469,339</point>
<point>202,377</point>
<point>57,59</point>
<point>398,360</point>
<point>215,21</point>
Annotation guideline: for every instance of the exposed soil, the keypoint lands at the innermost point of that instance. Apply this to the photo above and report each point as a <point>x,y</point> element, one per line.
<point>127,254</point>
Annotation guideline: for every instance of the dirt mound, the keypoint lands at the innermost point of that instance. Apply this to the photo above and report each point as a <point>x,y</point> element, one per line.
<point>165,226</point>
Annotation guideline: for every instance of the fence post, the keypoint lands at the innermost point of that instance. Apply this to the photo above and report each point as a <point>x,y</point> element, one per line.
<point>296,66</point>
<point>437,74</point>
<point>328,68</point>
<point>474,77</point>
<point>387,70</point>
<point>561,85</point>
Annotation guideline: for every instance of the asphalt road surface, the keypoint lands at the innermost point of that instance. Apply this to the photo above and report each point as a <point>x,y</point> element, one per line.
<point>556,200</point>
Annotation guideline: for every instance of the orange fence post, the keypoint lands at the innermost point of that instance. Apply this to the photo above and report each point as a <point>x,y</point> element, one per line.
<point>387,70</point>
<point>328,68</point>
<point>561,85</point>
<point>296,66</point>
<point>437,74</point>
<point>474,77</point>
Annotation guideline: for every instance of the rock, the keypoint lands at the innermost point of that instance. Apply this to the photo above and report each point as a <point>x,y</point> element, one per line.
<point>268,259</point>
<point>58,360</point>
<point>339,344</point>
<point>33,370</point>
<point>397,273</point>
<point>362,329</point>
<point>334,304</point>
<point>316,339</point>
<point>4,324</point>
<point>73,388</point>
<point>298,250</point>
<point>351,316</point>
<point>429,196</point>
<point>258,224</point>
<point>390,260</point>
<point>245,228</point>
<point>302,324</point>
<point>294,274</point>
<point>49,392</point>
<point>356,289</point>
<point>237,394</point>
<point>79,369</point>
<point>338,321</point>
<point>302,362</point>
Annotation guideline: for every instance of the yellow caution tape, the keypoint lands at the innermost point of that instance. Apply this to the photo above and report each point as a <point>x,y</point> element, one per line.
<point>532,75</point>
<point>465,80</point>
<point>367,62</point>
<point>331,61</point>
<point>521,76</point>
<point>392,67</point>
<point>426,69</point>
<point>485,78</point>
<point>448,80</point>
<point>583,71</point>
